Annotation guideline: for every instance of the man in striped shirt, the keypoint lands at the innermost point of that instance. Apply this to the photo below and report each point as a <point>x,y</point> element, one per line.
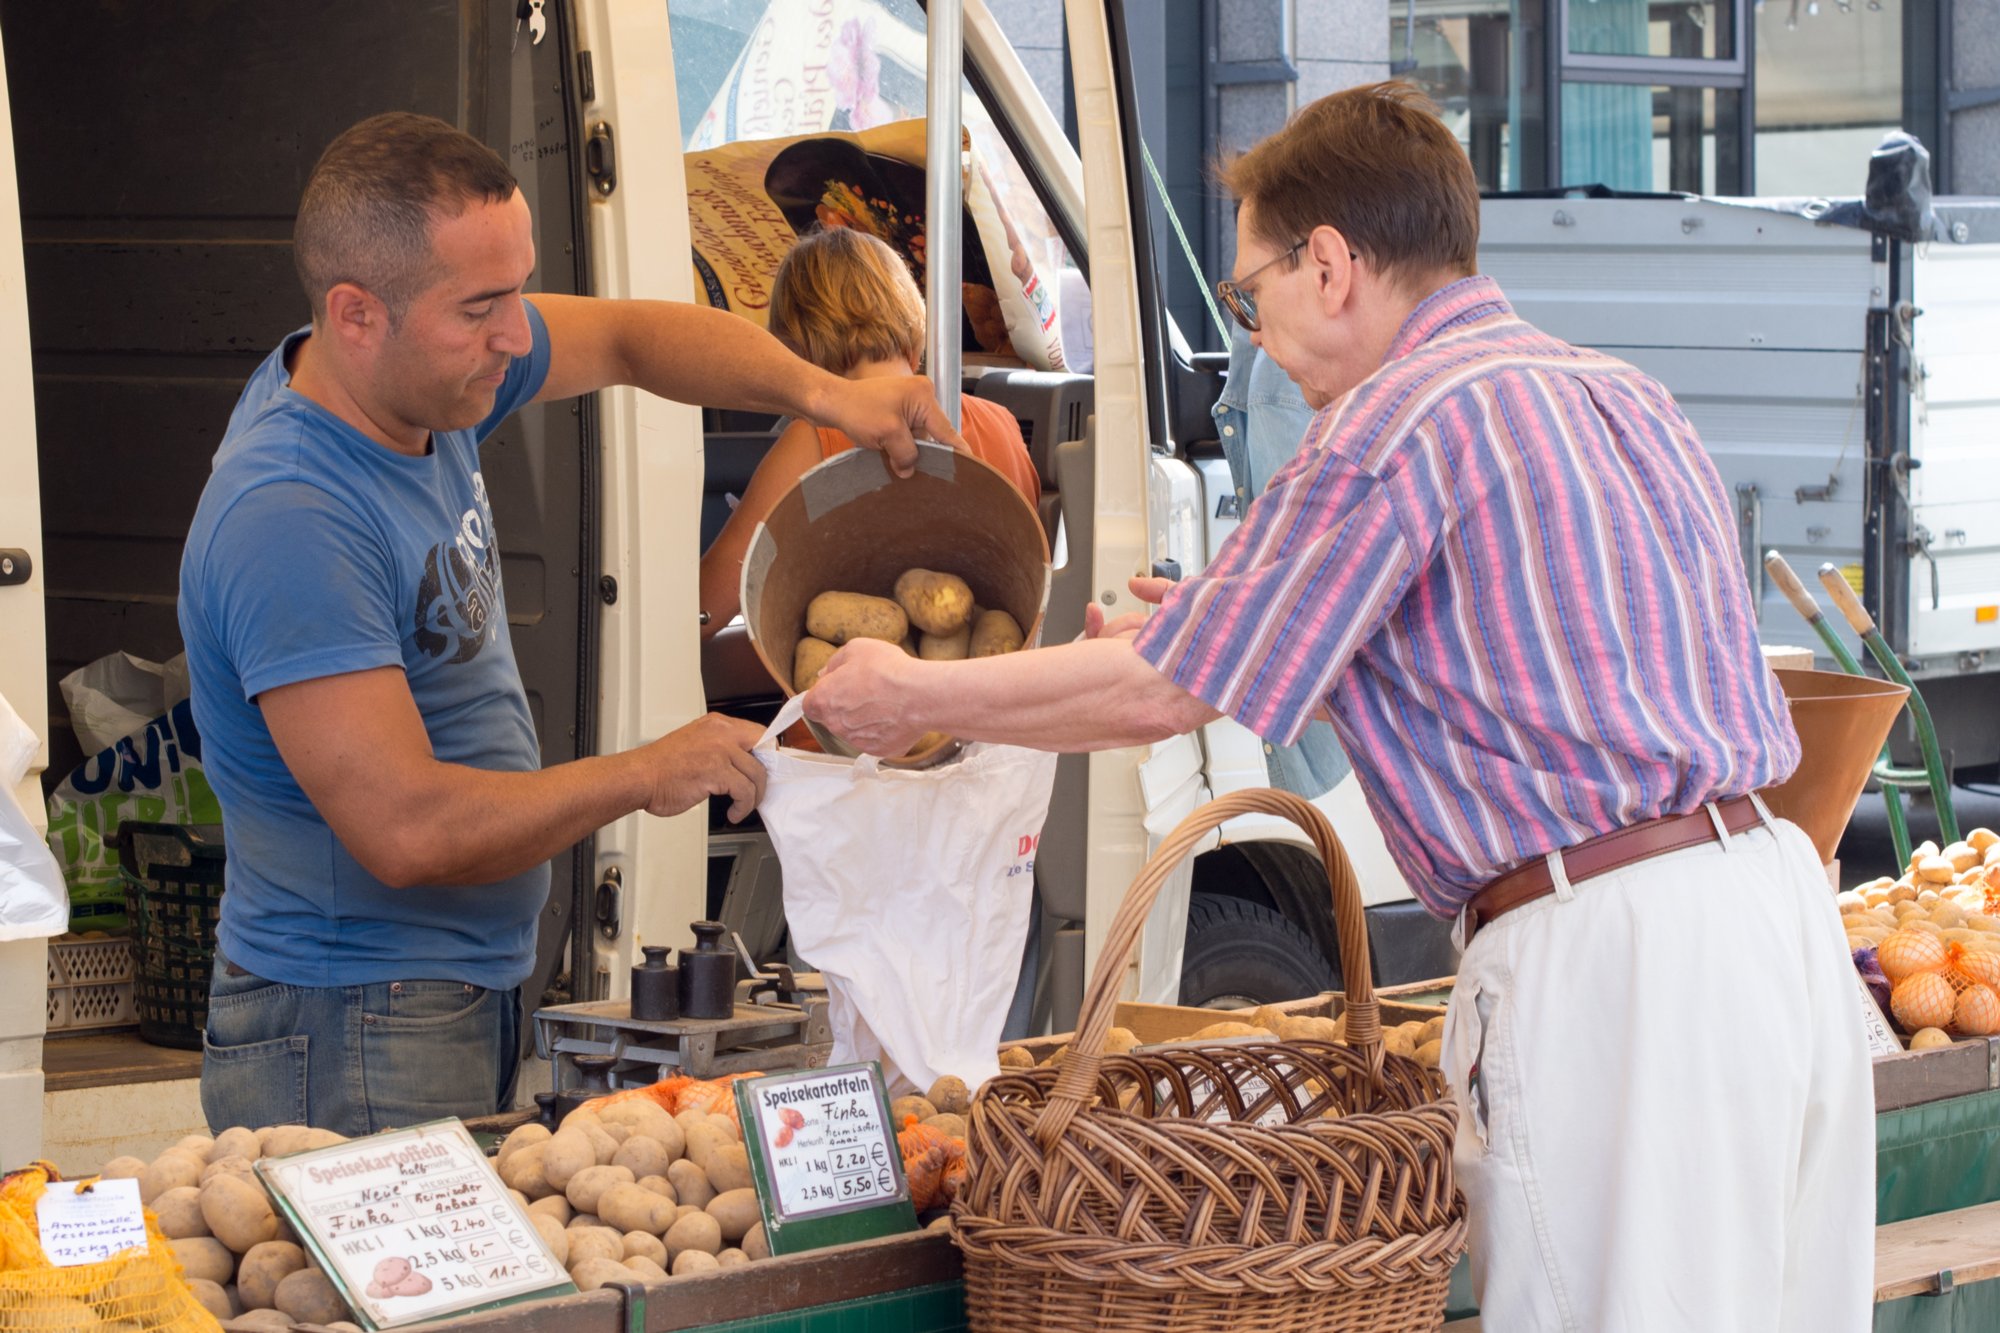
<point>1505,568</point>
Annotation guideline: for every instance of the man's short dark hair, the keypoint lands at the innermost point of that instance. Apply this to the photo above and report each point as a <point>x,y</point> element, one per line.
<point>369,205</point>
<point>1376,164</point>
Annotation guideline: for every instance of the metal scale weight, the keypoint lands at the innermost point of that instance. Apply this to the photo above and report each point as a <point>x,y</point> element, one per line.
<point>701,1017</point>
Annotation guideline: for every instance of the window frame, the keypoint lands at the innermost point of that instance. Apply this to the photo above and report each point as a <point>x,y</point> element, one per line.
<point>1667,70</point>
<point>1737,74</point>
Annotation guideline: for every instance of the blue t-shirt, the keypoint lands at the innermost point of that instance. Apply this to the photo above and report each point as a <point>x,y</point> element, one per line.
<point>316,551</point>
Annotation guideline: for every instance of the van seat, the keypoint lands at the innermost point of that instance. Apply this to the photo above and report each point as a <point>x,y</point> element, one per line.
<point>729,459</point>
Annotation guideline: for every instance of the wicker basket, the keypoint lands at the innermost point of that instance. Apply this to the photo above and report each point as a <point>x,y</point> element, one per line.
<point>1295,1186</point>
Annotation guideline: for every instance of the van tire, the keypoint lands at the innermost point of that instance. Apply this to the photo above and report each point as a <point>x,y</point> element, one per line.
<point>1241,953</point>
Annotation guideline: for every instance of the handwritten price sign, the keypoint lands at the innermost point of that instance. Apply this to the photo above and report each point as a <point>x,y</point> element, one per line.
<point>413,1224</point>
<point>89,1226</point>
<point>826,1142</point>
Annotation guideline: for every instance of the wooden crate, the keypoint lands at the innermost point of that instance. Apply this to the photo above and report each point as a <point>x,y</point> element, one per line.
<point>908,1283</point>
<point>1915,1077</point>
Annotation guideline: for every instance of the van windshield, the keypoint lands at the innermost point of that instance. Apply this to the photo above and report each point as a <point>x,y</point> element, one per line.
<point>810,113</point>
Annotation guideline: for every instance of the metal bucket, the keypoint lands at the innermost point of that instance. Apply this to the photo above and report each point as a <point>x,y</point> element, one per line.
<point>849,525</point>
<point>1842,721</point>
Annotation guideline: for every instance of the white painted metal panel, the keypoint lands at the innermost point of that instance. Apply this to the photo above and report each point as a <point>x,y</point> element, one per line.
<point>652,471</point>
<point>23,666</point>
<point>1670,273</point>
<point>1955,431</point>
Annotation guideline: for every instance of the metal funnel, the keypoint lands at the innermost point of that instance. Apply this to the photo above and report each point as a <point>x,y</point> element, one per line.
<point>1842,721</point>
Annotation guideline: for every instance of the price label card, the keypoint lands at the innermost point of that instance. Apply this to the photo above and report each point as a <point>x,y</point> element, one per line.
<point>1881,1037</point>
<point>90,1226</point>
<point>413,1224</point>
<point>824,1156</point>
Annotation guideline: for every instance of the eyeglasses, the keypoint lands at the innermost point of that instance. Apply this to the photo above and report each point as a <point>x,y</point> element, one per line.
<point>1239,296</point>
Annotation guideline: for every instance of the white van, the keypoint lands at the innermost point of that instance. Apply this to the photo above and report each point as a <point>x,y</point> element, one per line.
<point>159,153</point>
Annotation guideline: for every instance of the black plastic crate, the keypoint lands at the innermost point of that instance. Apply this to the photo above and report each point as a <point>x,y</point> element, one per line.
<point>173,896</point>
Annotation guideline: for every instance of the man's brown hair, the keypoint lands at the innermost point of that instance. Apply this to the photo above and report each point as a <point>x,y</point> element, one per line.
<point>370,203</point>
<point>842,297</point>
<point>1376,164</point>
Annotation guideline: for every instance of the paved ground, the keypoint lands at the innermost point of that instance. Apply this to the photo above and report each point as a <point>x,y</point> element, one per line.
<point>1865,850</point>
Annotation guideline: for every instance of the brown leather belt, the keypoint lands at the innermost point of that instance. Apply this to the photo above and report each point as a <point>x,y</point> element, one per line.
<point>1606,853</point>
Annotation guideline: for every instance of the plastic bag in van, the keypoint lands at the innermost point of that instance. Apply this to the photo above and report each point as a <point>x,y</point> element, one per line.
<point>154,775</point>
<point>119,694</point>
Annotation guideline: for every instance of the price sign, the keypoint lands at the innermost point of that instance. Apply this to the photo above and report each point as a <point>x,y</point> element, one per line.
<point>89,1225</point>
<point>1881,1038</point>
<point>413,1224</point>
<point>824,1156</point>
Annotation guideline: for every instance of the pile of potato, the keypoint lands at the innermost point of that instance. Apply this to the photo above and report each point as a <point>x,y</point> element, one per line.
<point>931,615</point>
<point>1943,982</point>
<point>242,1260</point>
<point>629,1193</point>
<point>1419,1040</point>
<point>943,1108</point>
<point>1945,892</point>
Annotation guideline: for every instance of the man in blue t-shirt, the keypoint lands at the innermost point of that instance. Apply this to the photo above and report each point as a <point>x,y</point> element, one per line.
<point>388,819</point>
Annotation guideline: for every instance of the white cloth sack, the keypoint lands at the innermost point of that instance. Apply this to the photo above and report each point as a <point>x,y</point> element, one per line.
<point>33,901</point>
<point>118,694</point>
<point>910,892</point>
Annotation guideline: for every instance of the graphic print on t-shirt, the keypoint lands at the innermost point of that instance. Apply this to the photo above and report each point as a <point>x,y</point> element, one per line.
<point>459,603</point>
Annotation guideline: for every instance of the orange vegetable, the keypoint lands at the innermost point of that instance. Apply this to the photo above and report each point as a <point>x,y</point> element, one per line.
<point>1923,1000</point>
<point>1977,1013</point>
<point>933,1161</point>
<point>681,1093</point>
<point>1904,953</point>
<point>1973,966</point>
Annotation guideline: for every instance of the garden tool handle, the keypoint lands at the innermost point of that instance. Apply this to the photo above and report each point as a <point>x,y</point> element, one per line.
<point>1787,579</point>
<point>1842,592</point>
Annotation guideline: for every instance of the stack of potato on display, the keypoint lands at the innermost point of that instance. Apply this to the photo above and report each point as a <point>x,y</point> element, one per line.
<point>627,1191</point>
<point>1421,1041</point>
<point>1932,937</point>
<point>241,1260</point>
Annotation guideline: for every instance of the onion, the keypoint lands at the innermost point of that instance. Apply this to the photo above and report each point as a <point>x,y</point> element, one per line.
<point>1923,1000</point>
<point>1905,953</point>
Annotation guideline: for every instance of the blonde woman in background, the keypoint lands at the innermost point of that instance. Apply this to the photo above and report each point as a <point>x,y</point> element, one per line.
<point>845,301</point>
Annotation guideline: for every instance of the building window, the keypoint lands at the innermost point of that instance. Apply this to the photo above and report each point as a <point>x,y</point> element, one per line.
<point>1652,139</point>
<point>1678,29</point>
<point>1479,60</point>
<point>1829,86</point>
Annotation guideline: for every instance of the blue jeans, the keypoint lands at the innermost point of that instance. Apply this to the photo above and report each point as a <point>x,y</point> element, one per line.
<point>354,1059</point>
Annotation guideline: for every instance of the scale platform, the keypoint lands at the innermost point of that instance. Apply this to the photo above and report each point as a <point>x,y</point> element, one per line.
<point>761,1037</point>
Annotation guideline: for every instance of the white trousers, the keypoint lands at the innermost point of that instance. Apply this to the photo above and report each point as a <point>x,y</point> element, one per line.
<point>1666,1110</point>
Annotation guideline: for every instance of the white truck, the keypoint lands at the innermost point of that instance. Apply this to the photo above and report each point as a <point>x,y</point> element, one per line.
<point>159,152</point>
<point>1842,378</point>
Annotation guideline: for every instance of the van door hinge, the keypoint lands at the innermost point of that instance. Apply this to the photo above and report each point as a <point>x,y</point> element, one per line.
<point>599,160</point>
<point>15,566</point>
<point>1919,544</point>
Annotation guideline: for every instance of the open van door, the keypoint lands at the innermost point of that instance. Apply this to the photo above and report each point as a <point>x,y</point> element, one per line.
<point>23,663</point>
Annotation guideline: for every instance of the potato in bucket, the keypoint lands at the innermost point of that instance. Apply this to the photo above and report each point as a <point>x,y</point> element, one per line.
<point>851,526</point>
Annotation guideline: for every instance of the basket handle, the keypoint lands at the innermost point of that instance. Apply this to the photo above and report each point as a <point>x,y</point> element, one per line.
<point>1076,1085</point>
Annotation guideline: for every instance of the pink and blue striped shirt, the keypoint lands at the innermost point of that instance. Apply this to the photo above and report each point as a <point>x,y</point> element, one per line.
<point>1506,569</point>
